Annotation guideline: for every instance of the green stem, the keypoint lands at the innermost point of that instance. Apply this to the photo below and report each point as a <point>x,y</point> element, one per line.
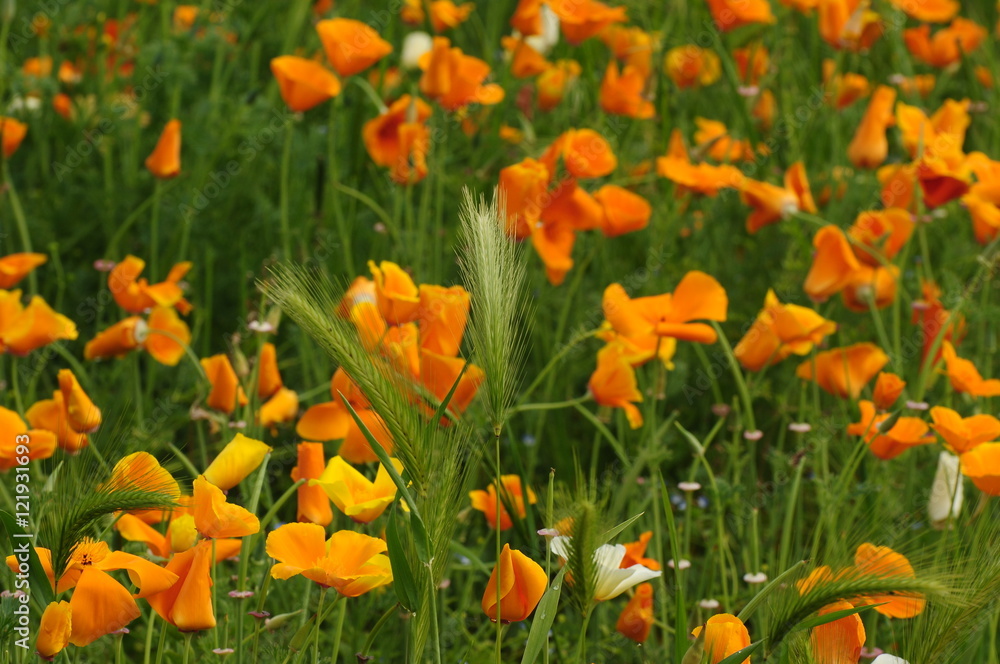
<point>741,384</point>
<point>319,618</point>
<point>569,403</point>
<point>154,230</point>
<point>286,160</point>
<point>21,222</point>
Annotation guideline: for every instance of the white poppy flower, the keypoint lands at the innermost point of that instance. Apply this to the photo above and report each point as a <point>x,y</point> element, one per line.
<point>415,45</point>
<point>946,491</point>
<point>611,579</point>
<point>889,659</point>
<point>544,42</point>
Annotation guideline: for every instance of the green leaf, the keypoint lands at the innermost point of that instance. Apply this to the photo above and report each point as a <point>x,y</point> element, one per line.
<point>420,539</point>
<point>766,590</point>
<point>545,614</point>
<point>816,621</point>
<point>440,412</point>
<point>699,450</point>
<point>741,655</point>
<point>16,535</point>
<point>402,575</point>
<point>614,532</point>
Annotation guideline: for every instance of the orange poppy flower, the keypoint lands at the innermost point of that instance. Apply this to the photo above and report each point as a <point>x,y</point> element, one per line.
<point>215,518</point>
<point>833,266</point>
<point>187,605</point>
<point>765,109</point>
<point>844,371</point>
<point>445,14</point>
<point>948,45</point>
<point>701,178</point>
<point>51,415</point>
<point>351,46</point>
<point>632,45</point>
<point>355,448</point>
<point>552,83</point>
<point>839,641</point>
<point>354,494</point>
<point>136,295</point>
<point>331,420</point>
<point>166,336</point>
<point>438,374</point>
<point>713,137</point>
<point>930,314</point>
<point>980,465</point>
<point>81,413</point>
<point>15,267</point>
<point>899,183</point>
<point>411,13</point>
<point>527,18</point>
<point>919,84</point>
<point>43,442</point>
<point>698,296</point>
<point>613,383</point>
<point>443,315</point>
<point>54,629</point>
<point>635,553</point>
<point>526,62</point>
<point>884,562</point>
<point>880,233</point>
<point>624,211</point>
<point>24,329</point>
<point>313,503</point>
<point>522,584</point>
<point>779,331</point>
<point>63,105</point>
<point>226,393</point>
<point>964,434</point>
<point>582,19</point>
<point>943,176</point>
<point>943,132</point>
<point>454,79</point>
<point>268,376</point>
<point>907,432</point>
<point>240,457</point>
<point>725,635</point>
<point>691,66</point>
<point>983,204</point>
<point>351,563</point>
<point>397,296</point>
<point>584,153</point>
<point>929,11</point>
<point>117,340</point>
<point>100,604</point>
<point>165,160</point>
<point>752,62</point>
<point>636,619</point>
<point>283,406</point>
<point>888,387</point>
<point>399,139</point>
<point>513,495</point>
<point>12,133</point>
<point>524,190</point>
<point>732,14</point>
<point>843,89</point>
<point>772,203</point>
<point>849,24</point>
<point>303,83</point>
<point>869,147</point>
<point>965,377</point>
<point>621,93</point>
